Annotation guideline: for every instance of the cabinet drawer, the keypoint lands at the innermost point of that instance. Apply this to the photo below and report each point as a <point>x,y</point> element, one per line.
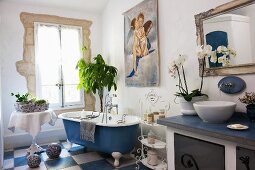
<point>195,154</point>
<point>245,159</point>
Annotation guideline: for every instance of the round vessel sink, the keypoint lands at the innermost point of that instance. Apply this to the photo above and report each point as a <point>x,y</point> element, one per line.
<point>215,111</point>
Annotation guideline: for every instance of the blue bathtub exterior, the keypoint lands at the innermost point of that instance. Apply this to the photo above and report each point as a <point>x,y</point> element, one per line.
<point>107,139</point>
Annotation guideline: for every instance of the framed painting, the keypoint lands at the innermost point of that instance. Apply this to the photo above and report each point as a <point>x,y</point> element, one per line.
<point>141,45</point>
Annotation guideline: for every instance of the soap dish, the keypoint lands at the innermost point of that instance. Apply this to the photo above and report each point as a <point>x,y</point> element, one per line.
<point>237,127</point>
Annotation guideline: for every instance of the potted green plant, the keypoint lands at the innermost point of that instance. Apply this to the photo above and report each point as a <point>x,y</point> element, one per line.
<point>96,76</point>
<point>40,105</point>
<point>186,97</point>
<point>22,100</point>
<point>27,103</point>
<point>249,99</point>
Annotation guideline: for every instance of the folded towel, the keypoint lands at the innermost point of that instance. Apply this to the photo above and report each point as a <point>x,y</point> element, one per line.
<point>87,130</point>
<point>53,118</point>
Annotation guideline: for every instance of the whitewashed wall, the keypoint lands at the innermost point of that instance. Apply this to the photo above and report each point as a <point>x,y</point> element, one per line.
<point>177,34</point>
<point>11,48</point>
<point>249,11</point>
<point>1,121</point>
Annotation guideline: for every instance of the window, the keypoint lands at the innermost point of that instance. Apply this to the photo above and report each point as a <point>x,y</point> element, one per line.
<point>58,48</point>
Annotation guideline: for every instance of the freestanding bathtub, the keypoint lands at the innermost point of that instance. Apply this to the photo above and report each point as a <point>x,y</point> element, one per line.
<point>111,137</point>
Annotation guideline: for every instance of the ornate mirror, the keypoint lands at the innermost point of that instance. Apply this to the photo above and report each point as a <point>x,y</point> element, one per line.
<point>230,30</point>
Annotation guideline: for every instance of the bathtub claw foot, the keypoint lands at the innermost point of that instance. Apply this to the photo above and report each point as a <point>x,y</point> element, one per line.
<point>116,156</point>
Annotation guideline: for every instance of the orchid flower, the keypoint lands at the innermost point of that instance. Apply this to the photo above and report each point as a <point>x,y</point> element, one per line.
<point>214,58</point>
<point>222,49</point>
<point>204,51</point>
<point>223,60</point>
<point>173,66</point>
<point>232,52</point>
<point>226,50</point>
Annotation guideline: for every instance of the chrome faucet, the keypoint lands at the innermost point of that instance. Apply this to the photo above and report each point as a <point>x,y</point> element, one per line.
<point>108,103</point>
<point>123,119</point>
<point>108,106</point>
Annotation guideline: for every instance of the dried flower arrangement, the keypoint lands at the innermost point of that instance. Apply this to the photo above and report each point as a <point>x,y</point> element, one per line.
<point>248,98</point>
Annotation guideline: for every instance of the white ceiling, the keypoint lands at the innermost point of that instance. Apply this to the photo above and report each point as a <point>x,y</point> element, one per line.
<point>86,5</point>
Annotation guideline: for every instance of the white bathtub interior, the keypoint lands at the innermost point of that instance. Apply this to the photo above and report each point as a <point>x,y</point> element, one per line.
<point>112,119</point>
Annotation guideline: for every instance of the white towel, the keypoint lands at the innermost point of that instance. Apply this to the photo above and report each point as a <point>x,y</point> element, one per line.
<point>87,130</point>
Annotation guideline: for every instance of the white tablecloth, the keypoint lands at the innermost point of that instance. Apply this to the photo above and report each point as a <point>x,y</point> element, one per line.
<point>31,122</point>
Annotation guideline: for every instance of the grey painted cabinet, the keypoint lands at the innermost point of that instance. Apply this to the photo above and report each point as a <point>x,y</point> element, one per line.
<point>195,154</point>
<point>245,159</point>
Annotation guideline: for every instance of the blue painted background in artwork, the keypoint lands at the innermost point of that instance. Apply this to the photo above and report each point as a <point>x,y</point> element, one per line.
<point>216,39</point>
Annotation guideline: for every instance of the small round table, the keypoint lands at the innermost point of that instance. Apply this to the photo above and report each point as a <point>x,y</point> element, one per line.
<point>31,123</point>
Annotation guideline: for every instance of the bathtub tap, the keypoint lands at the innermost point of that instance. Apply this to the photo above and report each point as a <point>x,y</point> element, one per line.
<point>108,106</point>
<point>108,103</point>
<point>123,119</point>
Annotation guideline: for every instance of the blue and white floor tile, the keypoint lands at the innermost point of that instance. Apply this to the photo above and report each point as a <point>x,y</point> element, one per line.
<point>78,158</point>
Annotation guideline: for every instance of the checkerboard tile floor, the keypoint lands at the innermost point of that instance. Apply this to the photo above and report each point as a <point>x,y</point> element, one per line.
<point>78,158</point>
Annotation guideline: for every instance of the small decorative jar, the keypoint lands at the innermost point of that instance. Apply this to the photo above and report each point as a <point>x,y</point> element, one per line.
<point>145,116</point>
<point>152,158</point>
<point>162,112</point>
<point>150,118</point>
<point>155,116</point>
<point>151,137</point>
<point>33,161</point>
<point>162,115</point>
<point>53,151</point>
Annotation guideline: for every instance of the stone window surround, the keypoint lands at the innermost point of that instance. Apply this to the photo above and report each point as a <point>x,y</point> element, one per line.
<point>26,67</point>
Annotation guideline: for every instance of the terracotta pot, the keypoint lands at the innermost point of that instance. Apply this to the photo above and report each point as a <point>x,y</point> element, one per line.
<point>187,107</point>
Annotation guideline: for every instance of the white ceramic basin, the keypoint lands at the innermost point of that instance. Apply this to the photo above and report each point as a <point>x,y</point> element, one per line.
<point>215,111</point>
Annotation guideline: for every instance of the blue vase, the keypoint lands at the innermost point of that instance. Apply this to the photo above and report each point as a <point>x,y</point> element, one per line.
<point>251,112</point>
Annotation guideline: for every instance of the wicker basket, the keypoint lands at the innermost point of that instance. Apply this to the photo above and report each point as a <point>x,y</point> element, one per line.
<point>30,107</point>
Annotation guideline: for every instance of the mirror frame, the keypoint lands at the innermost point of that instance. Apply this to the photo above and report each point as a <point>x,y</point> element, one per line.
<point>199,18</point>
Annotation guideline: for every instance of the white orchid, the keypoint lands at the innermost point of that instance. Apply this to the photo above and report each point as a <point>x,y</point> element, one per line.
<point>223,60</point>
<point>226,50</point>
<point>214,58</point>
<point>180,60</point>
<point>208,50</point>
<point>232,52</point>
<point>175,64</point>
<point>204,51</point>
<point>176,69</point>
<point>222,49</point>
<point>227,53</point>
<point>200,52</point>
<point>172,69</point>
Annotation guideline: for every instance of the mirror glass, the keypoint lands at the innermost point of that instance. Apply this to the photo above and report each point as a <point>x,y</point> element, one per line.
<point>232,37</point>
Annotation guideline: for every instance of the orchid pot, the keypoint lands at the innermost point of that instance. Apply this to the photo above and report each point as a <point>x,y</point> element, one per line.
<point>187,106</point>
